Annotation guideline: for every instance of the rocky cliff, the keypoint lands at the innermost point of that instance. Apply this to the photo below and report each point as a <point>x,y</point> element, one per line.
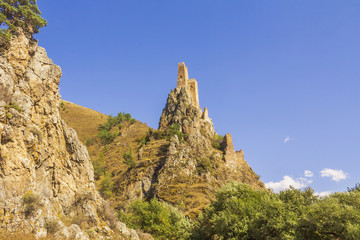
<point>202,161</point>
<point>183,162</point>
<point>46,177</point>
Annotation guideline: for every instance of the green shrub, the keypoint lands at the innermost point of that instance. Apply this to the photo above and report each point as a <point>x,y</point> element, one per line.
<point>31,203</point>
<point>14,106</point>
<point>239,212</point>
<point>157,134</point>
<point>104,129</point>
<point>157,218</point>
<point>89,142</point>
<point>129,159</point>
<point>99,166</point>
<point>217,141</point>
<point>107,137</point>
<point>51,226</point>
<point>106,186</point>
<point>334,217</point>
<point>175,130</point>
<point>204,165</point>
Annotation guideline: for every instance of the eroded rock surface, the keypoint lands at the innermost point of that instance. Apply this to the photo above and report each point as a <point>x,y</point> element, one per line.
<point>196,163</point>
<point>46,177</point>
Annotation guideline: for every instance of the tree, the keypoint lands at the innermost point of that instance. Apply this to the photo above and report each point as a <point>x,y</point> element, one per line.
<point>160,219</point>
<point>129,159</point>
<point>106,186</point>
<point>22,14</point>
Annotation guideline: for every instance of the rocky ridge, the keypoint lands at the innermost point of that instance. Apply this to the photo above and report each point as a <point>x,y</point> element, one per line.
<point>46,177</point>
<point>182,163</point>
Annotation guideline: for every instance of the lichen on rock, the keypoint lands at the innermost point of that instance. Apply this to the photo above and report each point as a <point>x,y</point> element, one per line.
<point>46,177</point>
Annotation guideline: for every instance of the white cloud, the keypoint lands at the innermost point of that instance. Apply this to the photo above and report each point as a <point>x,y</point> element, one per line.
<point>288,181</point>
<point>336,175</point>
<point>308,173</point>
<point>287,139</point>
<point>323,194</point>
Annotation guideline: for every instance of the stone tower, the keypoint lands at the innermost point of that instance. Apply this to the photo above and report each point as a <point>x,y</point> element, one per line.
<point>191,84</point>
<point>183,77</point>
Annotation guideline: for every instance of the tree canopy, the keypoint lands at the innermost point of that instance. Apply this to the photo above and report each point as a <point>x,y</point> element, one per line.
<point>23,14</point>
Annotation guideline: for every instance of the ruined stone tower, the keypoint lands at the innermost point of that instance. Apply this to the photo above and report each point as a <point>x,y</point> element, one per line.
<point>191,84</point>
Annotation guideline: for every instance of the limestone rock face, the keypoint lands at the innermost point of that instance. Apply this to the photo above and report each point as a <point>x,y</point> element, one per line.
<point>195,166</point>
<point>46,177</point>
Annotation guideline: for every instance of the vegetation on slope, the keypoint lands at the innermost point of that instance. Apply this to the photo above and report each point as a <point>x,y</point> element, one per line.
<point>22,14</point>
<point>240,212</point>
<point>126,164</point>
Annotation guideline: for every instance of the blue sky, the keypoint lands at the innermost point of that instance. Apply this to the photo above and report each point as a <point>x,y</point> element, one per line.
<point>282,77</point>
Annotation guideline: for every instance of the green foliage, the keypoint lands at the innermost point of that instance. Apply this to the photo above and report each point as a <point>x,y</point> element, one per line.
<point>334,217</point>
<point>175,130</point>
<point>106,186</point>
<point>239,212</point>
<point>107,137</point>
<point>354,189</point>
<point>129,159</point>
<point>105,133</point>
<point>31,203</point>
<point>204,165</point>
<point>152,134</point>
<point>19,14</point>
<point>157,218</point>
<point>89,142</point>
<point>243,213</point>
<point>14,106</point>
<point>99,166</point>
<point>157,134</point>
<point>217,141</point>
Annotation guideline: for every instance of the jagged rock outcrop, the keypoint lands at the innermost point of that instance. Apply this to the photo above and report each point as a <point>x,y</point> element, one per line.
<point>46,177</point>
<point>197,161</point>
<point>186,167</point>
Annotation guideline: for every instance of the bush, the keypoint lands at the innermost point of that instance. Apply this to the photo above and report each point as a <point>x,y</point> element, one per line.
<point>51,226</point>
<point>175,130</point>
<point>204,165</point>
<point>14,106</point>
<point>217,141</point>
<point>89,142</point>
<point>106,186</point>
<point>31,203</point>
<point>99,166</point>
<point>129,159</point>
<point>239,212</point>
<point>107,137</point>
<point>113,121</point>
<point>334,217</point>
<point>104,129</point>
<point>157,218</point>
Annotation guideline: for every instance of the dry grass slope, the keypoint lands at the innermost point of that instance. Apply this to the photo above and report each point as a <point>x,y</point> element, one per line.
<point>84,120</point>
<point>189,193</point>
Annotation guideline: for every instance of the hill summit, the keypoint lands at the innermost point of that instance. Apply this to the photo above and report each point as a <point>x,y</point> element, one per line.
<point>183,162</point>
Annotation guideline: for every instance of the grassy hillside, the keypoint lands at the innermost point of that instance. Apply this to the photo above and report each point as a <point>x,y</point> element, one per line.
<point>123,182</point>
<point>84,120</point>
